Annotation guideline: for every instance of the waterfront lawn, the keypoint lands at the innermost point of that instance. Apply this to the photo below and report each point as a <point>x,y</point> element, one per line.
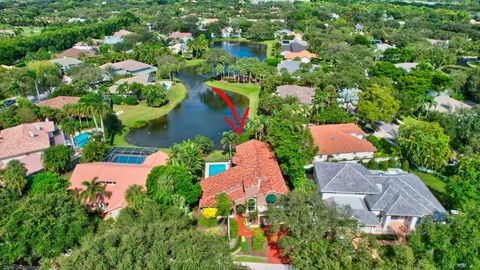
<point>217,156</point>
<point>250,90</point>
<point>194,62</point>
<point>269,44</point>
<point>139,115</point>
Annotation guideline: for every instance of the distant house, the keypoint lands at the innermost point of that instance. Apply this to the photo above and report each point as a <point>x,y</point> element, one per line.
<point>383,46</point>
<point>129,67</point>
<point>294,46</point>
<point>389,202</point>
<point>255,176</point>
<point>75,53</point>
<point>229,32</point>
<point>406,66</point>
<point>179,48</point>
<point>444,103</point>
<point>27,142</point>
<point>82,45</point>
<point>291,66</point>
<point>358,28</point>
<point>204,22</point>
<point>183,36</point>
<point>111,40</point>
<point>58,102</point>
<point>438,42</point>
<point>66,63</point>
<point>76,20</point>
<point>143,79</point>
<point>122,33</point>
<point>116,179</point>
<point>303,94</point>
<point>304,56</point>
<point>341,142</point>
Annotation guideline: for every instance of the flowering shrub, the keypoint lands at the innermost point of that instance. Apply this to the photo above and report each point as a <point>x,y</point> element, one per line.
<point>209,212</point>
<point>258,240</point>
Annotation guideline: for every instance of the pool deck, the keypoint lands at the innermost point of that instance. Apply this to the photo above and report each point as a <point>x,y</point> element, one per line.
<point>207,167</point>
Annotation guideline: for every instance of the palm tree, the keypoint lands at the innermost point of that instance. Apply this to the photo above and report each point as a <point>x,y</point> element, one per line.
<point>92,190</point>
<point>188,155</point>
<point>15,176</point>
<point>229,138</point>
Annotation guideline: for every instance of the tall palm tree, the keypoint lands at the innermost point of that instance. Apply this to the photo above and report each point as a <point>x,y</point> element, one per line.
<point>229,138</point>
<point>188,155</point>
<point>92,190</point>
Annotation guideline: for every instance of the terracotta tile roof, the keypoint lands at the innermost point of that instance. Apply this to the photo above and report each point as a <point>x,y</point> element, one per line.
<point>33,163</point>
<point>255,164</point>
<point>209,20</point>
<point>122,33</point>
<point>117,177</point>
<point>340,138</point>
<point>25,139</point>
<point>75,53</point>
<point>180,35</point>
<point>58,102</point>
<point>302,54</point>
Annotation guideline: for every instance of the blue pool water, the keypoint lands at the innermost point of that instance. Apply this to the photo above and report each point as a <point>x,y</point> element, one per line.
<point>82,139</point>
<point>128,159</point>
<point>216,169</point>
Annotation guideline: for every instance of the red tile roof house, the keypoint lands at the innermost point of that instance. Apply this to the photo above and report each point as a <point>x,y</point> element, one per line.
<point>341,142</point>
<point>122,33</point>
<point>27,142</point>
<point>255,175</point>
<point>184,36</point>
<point>117,178</point>
<point>58,102</point>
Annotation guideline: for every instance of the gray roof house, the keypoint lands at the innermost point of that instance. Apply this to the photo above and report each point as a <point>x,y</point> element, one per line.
<point>291,66</point>
<point>381,201</point>
<point>66,62</point>
<point>129,67</point>
<point>293,45</point>
<point>304,94</point>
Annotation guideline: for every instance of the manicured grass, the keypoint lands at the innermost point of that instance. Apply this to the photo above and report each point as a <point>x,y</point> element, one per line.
<point>231,39</point>
<point>432,181</point>
<point>194,62</point>
<point>138,115</point>
<point>249,259</point>
<point>269,44</point>
<point>250,90</point>
<point>217,156</point>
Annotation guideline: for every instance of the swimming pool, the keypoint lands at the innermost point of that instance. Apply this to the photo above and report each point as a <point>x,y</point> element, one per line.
<point>214,168</point>
<point>128,159</point>
<point>82,139</point>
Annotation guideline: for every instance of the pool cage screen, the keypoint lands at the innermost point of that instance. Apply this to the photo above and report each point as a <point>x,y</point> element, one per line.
<point>128,154</point>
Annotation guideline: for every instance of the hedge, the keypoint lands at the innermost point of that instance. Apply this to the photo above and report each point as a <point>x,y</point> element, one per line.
<point>233,228</point>
<point>258,240</point>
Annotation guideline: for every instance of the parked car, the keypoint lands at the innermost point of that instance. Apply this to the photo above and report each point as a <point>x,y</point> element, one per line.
<point>9,102</point>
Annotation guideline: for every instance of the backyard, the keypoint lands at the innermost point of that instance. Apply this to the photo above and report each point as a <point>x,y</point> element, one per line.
<point>435,184</point>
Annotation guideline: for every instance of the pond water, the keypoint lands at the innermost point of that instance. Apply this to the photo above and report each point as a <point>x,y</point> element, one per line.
<point>201,113</point>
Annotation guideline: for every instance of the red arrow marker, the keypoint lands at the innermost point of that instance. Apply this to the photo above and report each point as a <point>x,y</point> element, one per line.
<point>227,100</point>
<point>242,122</point>
<point>238,129</point>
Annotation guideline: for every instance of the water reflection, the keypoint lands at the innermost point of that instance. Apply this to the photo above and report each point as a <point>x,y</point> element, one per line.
<point>201,112</point>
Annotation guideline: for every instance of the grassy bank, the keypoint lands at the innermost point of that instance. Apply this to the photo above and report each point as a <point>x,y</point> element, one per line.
<point>139,115</point>
<point>251,91</point>
<point>194,62</point>
<point>436,186</point>
<point>269,44</point>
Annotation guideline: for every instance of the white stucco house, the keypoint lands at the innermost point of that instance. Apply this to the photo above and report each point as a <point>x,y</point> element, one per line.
<point>341,142</point>
<point>380,201</point>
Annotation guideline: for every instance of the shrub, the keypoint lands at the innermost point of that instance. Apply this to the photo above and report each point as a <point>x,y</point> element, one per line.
<point>392,163</point>
<point>223,204</point>
<point>233,228</point>
<point>405,165</point>
<point>253,215</point>
<point>383,165</point>
<point>240,209</point>
<point>47,183</point>
<point>258,240</point>
<point>57,158</point>
<point>207,222</point>
<point>244,245</point>
<point>209,212</point>
<point>271,61</point>
<point>130,100</point>
<point>117,100</point>
<point>373,164</point>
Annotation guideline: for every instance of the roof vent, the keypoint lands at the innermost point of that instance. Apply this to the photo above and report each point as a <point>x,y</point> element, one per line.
<point>30,133</point>
<point>333,138</point>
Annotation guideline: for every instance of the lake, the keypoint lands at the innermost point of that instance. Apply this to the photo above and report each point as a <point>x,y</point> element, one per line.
<point>201,113</point>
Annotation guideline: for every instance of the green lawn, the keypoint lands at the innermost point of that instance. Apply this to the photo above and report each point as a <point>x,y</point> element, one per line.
<point>138,115</point>
<point>251,91</point>
<point>217,156</point>
<point>249,259</point>
<point>432,181</point>
<point>194,62</point>
<point>269,44</point>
